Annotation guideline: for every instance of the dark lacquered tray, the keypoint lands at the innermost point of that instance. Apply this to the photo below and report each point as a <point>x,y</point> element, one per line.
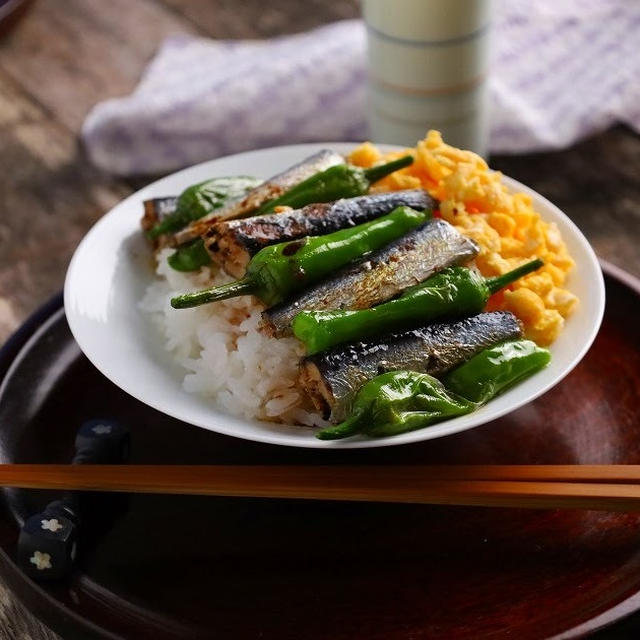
<point>172,567</point>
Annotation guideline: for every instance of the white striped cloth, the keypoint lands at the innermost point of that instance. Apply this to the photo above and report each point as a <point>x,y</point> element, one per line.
<point>560,71</point>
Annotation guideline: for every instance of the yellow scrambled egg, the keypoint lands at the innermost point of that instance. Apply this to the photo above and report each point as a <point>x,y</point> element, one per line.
<point>505,225</point>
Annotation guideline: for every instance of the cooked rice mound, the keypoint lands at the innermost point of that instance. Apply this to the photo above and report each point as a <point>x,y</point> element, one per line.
<point>224,355</point>
<point>505,225</point>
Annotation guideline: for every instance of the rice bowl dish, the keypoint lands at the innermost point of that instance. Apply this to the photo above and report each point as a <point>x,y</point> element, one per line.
<point>225,355</point>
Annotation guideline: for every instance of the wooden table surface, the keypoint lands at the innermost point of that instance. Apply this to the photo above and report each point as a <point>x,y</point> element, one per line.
<point>62,58</point>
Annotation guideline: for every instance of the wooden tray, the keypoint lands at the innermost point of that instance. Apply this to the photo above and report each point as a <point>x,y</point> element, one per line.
<point>195,567</point>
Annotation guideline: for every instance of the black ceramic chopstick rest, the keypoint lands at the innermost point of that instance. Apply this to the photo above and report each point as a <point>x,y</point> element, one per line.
<point>47,545</point>
<point>102,441</point>
<point>48,540</point>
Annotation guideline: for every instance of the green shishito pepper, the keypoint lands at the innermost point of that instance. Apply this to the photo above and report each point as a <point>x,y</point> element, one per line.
<point>398,401</point>
<point>455,292</point>
<point>339,181</point>
<point>495,369</point>
<point>200,199</point>
<point>189,257</point>
<point>401,401</point>
<point>277,271</point>
<point>194,203</point>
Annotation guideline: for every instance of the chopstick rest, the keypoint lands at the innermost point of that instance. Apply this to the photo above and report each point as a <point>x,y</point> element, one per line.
<point>48,540</point>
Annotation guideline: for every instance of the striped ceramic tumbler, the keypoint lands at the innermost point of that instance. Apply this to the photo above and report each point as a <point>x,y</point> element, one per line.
<point>428,64</point>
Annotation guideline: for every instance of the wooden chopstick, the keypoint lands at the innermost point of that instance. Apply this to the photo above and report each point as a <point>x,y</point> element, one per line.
<point>607,487</point>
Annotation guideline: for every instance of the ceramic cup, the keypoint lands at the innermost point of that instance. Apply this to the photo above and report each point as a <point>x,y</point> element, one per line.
<point>428,63</point>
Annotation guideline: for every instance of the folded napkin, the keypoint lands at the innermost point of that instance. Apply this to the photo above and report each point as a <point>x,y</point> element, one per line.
<point>561,70</point>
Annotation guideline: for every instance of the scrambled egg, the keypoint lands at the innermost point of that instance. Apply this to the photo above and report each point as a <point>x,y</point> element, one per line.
<point>507,228</point>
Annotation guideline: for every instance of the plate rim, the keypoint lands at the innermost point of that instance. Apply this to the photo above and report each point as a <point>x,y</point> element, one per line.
<point>443,429</point>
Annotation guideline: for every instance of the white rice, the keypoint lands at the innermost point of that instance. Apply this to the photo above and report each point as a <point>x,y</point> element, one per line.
<point>223,354</point>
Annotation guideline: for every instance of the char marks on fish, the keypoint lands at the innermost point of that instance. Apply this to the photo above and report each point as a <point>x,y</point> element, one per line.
<point>268,190</point>
<point>332,378</point>
<point>234,242</point>
<point>384,274</point>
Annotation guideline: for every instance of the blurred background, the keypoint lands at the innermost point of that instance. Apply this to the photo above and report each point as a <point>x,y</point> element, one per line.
<point>77,96</point>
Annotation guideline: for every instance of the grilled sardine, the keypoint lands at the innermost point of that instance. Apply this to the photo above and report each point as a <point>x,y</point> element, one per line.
<point>333,377</point>
<point>269,189</point>
<point>233,243</point>
<point>155,211</point>
<point>407,261</point>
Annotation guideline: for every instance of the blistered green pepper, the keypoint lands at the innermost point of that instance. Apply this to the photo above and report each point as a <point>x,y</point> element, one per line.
<point>494,370</point>
<point>401,401</point>
<point>455,292</point>
<point>189,257</point>
<point>396,402</point>
<point>339,181</point>
<point>200,199</point>
<point>275,272</point>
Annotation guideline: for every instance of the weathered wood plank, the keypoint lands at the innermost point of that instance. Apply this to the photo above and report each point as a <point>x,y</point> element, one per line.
<point>49,197</point>
<point>69,58</point>
<point>260,19</point>
<point>16,623</point>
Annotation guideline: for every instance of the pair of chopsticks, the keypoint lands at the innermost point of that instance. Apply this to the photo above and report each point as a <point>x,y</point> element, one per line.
<point>604,487</point>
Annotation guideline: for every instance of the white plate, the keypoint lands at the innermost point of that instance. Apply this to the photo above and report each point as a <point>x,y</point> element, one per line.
<point>111,269</point>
